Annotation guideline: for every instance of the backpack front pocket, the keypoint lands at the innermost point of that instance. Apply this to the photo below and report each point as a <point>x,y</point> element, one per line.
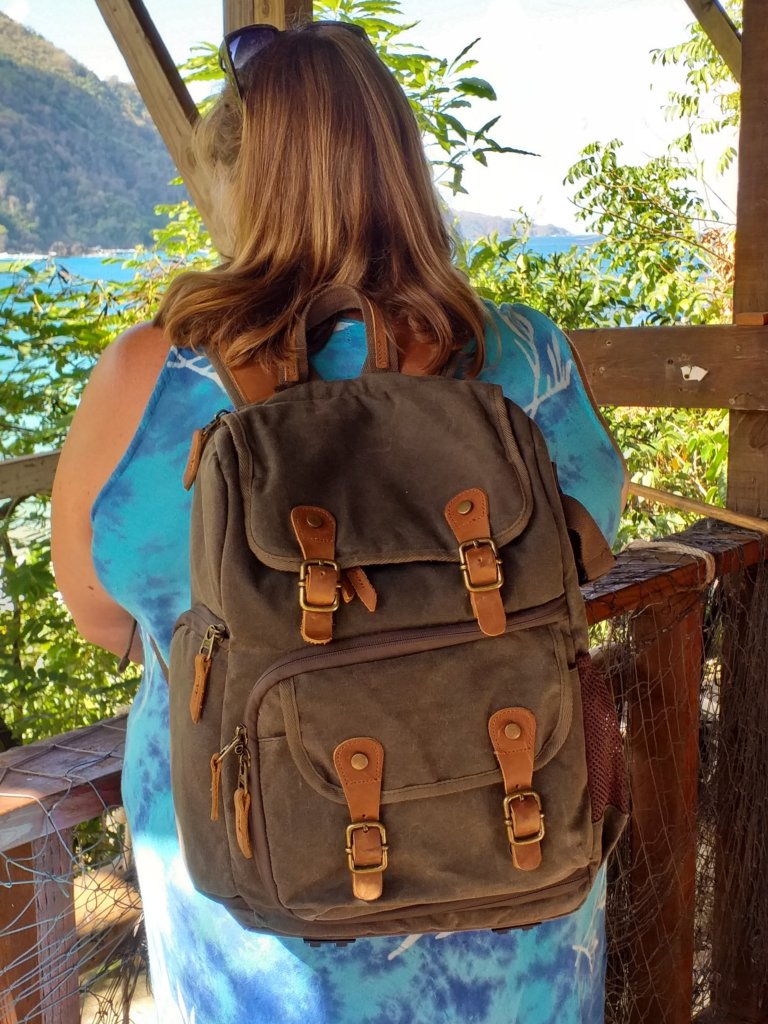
<point>442,800</point>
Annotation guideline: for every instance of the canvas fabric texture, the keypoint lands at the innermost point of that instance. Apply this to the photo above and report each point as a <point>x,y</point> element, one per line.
<point>258,715</point>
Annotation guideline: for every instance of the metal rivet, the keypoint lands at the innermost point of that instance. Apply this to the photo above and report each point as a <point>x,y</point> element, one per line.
<point>314,520</point>
<point>465,507</point>
<point>513,731</point>
<point>359,761</point>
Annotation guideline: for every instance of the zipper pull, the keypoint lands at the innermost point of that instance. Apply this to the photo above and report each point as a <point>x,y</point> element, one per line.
<point>214,634</point>
<point>216,762</point>
<point>199,439</point>
<point>243,796</point>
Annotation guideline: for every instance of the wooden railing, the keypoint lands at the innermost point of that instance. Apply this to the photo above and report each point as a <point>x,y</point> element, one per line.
<point>47,788</point>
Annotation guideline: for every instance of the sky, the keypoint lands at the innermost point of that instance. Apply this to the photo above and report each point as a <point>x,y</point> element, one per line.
<point>566,72</point>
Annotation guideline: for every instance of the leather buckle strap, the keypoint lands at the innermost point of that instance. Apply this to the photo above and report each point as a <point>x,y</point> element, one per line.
<point>308,585</point>
<point>514,819</point>
<point>319,575</point>
<point>475,569</point>
<point>364,827</point>
<point>513,735</point>
<point>359,763</point>
<point>481,571</point>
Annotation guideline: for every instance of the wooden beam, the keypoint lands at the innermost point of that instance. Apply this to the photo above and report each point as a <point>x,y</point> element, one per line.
<point>699,508</point>
<point>39,971</point>
<point>164,93</point>
<point>722,32</point>
<point>56,784</point>
<point>738,991</point>
<point>748,447</point>
<point>663,759</point>
<point>282,13</point>
<point>663,366</point>
<point>29,474</point>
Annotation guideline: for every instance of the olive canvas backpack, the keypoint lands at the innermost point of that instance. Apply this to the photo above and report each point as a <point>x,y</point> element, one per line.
<point>384,718</point>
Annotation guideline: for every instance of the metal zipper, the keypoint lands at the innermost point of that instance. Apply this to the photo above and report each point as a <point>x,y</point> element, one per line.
<point>409,641</point>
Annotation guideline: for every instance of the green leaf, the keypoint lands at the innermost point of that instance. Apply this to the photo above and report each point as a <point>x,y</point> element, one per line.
<point>476,87</point>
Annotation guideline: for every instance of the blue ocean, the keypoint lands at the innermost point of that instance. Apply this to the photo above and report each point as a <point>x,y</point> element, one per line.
<point>111,267</point>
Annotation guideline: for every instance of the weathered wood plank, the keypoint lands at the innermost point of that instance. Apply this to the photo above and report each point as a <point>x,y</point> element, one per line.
<point>657,366</point>
<point>55,784</point>
<point>699,508</point>
<point>163,91</point>
<point>748,449</point>
<point>282,13</point>
<point>37,919</point>
<point>738,990</point>
<point>29,474</point>
<point>721,31</point>
<point>663,757</point>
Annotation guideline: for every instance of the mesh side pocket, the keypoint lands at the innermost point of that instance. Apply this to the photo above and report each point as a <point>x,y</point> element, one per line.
<point>606,772</point>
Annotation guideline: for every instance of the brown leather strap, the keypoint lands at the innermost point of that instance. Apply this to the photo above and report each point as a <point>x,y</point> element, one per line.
<point>513,735</point>
<point>361,587</point>
<point>382,351</point>
<point>359,763</point>
<point>319,578</point>
<point>590,548</point>
<point>467,516</point>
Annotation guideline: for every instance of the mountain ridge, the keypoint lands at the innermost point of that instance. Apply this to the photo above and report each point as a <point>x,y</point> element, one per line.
<point>81,163</point>
<point>82,166</point>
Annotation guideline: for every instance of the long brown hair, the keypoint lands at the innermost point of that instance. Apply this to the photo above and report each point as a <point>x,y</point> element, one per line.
<point>324,181</point>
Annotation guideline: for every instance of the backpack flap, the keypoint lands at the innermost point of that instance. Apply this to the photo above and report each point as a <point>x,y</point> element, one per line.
<point>373,453</point>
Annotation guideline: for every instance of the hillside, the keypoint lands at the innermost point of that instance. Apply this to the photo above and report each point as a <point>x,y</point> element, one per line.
<point>478,225</point>
<point>81,164</point>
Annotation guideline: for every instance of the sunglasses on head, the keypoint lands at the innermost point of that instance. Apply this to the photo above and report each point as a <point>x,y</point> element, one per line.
<point>242,45</point>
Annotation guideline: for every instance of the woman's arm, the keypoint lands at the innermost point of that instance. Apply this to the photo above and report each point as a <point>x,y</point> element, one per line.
<point>102,428</point>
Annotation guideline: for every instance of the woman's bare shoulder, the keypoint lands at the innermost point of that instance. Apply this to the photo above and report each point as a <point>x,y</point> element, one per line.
<point>138,353</point>
<point>113,403</point>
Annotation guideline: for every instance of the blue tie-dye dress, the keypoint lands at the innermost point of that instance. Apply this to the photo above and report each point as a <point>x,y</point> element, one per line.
<point>205,968</point>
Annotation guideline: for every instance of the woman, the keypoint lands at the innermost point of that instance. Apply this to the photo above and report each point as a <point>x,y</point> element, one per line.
<point>323,180</point>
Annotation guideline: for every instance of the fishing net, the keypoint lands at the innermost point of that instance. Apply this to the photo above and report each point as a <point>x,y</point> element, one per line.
<point>682,631</point>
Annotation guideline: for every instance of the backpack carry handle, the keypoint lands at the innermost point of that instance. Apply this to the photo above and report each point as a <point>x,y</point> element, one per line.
<point>382,352</point>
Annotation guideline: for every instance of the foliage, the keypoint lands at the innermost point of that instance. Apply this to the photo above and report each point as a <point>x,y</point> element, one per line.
<point>711,103</point>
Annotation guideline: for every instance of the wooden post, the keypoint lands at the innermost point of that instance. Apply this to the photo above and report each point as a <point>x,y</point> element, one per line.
<point>282,13</point>
<point>663,751</point>
<point>738,993</point>
<point>39,969</point>
<point>748,444</point>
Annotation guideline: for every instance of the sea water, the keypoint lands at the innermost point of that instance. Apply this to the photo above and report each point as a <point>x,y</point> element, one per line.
<point>110,266</point>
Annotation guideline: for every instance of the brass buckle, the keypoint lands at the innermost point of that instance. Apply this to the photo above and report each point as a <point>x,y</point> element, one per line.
<point>304,572</point>
<point>509,818</point>
<point>474,588</point>
<point>356,826</point>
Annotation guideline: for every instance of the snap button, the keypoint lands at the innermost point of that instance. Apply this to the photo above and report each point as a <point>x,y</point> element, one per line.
<point>464,507</point>
<point>359,761</point>
<point>513,731</point>
<point>314,520</point>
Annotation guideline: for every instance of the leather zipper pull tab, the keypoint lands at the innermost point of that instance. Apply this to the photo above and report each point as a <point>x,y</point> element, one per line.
<point>242,812</point>
<point>243,796</point>
<point>215,785</point>
<point>217,759</point>
<point>203,661</point>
